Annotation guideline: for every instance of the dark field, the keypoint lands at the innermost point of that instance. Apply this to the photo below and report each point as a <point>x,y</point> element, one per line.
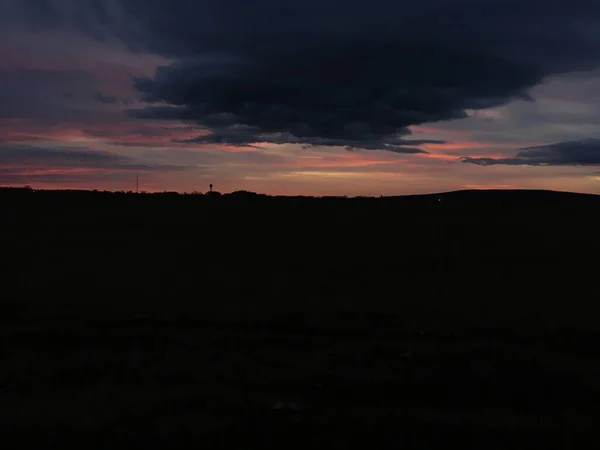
<point>175,322</point>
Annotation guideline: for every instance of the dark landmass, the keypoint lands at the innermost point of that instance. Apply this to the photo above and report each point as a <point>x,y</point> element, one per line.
<point>150,321</point>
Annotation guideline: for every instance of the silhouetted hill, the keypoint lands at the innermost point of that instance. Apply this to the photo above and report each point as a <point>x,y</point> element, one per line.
<point>472,195</point>
<point>432,320</point>
<point>505,195</point>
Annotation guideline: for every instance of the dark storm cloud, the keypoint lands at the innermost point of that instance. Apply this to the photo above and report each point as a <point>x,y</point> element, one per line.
<point>573,153</point>
<point>318,72</point>
<point>16,157</point>
<point>242,135</point>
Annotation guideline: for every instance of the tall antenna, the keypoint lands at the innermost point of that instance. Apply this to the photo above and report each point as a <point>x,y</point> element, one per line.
<point>137,184</point>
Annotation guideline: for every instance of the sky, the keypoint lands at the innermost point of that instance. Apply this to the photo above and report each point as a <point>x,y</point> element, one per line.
<point>311,97</point>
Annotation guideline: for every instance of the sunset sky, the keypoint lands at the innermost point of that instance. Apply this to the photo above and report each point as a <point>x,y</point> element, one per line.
<point>313,97</point>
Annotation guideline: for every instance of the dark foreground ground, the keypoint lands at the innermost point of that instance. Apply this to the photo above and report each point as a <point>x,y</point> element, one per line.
<point>179,322</point>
